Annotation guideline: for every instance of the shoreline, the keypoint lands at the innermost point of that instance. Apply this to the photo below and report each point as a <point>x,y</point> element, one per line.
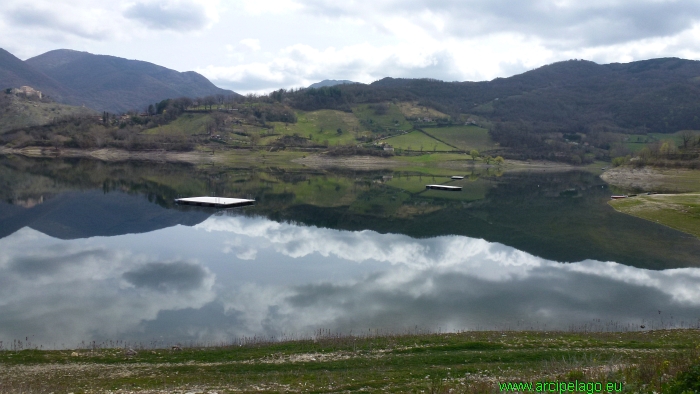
<point>315,160</point>
<point>674,180</point>
<point>111,154</point>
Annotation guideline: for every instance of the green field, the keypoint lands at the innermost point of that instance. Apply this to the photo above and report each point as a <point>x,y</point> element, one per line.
<point>635,143</point>
<point>323,126</point>
<point>463,137</point>
<point>185,124</point>
<point>659,361</point>
<point>392,119</point>
<point>417,141</point>
<point>678,211</point>
<point>675,137</point>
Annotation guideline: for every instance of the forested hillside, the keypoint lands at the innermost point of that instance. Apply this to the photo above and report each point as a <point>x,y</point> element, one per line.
<point>659,95</point>
<point>569,111</point>
<point>574,111</point>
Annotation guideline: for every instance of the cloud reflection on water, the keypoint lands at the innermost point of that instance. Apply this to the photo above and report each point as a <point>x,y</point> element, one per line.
<point>455,282</point>
<point>234,284</point>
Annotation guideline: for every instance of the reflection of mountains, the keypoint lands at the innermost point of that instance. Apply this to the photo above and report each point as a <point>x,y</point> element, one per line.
<point>562,217</point>
<point>557,216</point>
<point>93,213</point>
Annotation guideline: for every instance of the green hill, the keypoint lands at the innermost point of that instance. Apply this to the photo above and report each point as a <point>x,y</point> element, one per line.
<point>18,112</point>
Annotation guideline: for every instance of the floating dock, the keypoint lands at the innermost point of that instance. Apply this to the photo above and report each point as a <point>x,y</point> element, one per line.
<point>216,202</point>
<point>457,177</point>
<point>444,187</point>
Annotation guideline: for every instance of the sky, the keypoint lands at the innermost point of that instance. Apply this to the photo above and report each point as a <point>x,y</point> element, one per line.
<point>256,46</point>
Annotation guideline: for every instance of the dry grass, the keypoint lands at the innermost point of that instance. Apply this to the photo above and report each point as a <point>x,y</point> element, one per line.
<point>413,110</point>
<point>466,362</point>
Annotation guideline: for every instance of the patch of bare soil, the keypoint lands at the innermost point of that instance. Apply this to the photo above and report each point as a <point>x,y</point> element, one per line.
<point>649,178</point>
<point>640,178</point>
<point>352,162</point>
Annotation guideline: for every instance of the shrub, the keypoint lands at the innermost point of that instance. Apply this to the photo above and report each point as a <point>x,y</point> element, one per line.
<point>687,382</point>
<point>621,160</point>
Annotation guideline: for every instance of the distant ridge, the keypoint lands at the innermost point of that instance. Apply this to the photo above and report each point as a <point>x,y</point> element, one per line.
<point>100,82</point>
<point>116,84</point>
<point>331,82</point>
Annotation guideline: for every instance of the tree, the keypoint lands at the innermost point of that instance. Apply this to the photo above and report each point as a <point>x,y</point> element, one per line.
<point>686,136</point>
<point>474,154</point>
<point>209,101</point>
<point>254,139</point>
<point>499,160</point>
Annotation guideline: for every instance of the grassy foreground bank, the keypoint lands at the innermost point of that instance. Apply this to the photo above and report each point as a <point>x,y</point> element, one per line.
<point>678,211</point>
<point>469,362</point>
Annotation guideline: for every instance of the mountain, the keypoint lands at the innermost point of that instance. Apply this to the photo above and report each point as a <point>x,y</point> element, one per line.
<point>657,95</point>
<point>15,73</point>
<point>93,213</point>
<point>116,84</point>
<point>103,83</point>
<point>330,82</point>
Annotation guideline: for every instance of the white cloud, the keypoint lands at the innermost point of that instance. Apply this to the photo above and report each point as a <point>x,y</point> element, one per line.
<point>69,290</point>
<point>258,7</point>
<point>177,15</point>
<point>251,43</point>
<point>473,257</point>
<point>308,41</point>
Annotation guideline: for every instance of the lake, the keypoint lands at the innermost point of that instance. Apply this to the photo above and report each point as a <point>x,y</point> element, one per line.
<point>94,251</point>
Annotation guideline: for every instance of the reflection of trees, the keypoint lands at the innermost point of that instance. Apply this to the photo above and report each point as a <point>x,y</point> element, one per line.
<point>561,216</point>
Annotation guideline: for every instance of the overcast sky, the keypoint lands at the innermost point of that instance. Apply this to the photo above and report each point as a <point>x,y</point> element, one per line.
<point>261,45</point>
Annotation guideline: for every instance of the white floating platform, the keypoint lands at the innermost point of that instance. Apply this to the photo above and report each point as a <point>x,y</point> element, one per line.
<point>218,202</point>
<point>457,177</point>
<point>444,187</point>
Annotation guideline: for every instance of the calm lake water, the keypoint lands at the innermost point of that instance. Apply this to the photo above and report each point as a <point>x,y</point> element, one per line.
<point>95,251</point>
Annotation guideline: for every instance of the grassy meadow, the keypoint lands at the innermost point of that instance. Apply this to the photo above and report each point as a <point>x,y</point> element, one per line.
<point>417,141</point>
<point>387,120</point>
<point>322,126</point>
<point>678,211</point>
<point>661,361</point>
<point>465,138</point>
<point>635,143</point>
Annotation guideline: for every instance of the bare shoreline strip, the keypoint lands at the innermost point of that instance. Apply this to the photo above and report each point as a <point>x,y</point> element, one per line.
<point>109,154</point>
<point>314,160</point>
<point>653,179</point>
